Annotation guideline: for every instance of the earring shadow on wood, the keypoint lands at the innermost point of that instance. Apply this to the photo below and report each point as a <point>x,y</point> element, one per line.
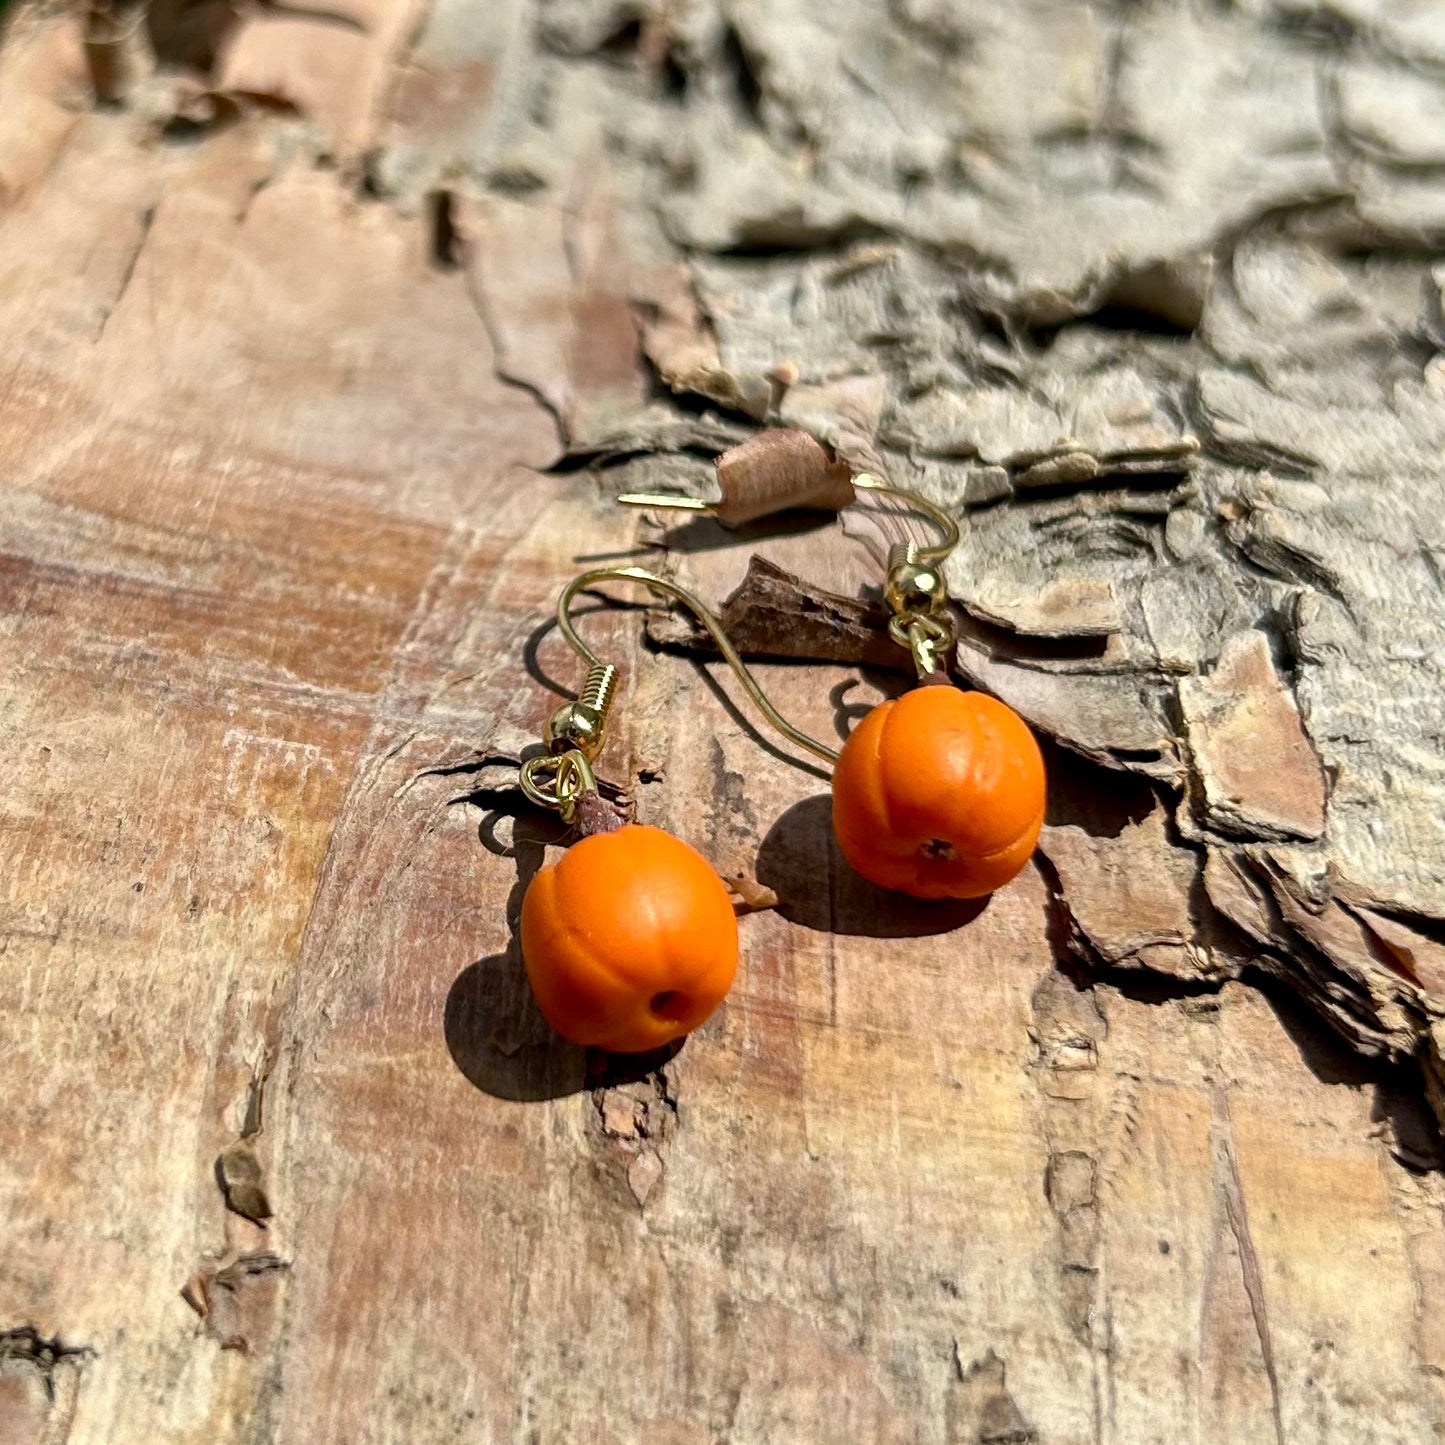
<point>707,534</point>
<point>847,715</point>
<point>531,649</point>
<point>817,888</point>
<point>494,1030</point>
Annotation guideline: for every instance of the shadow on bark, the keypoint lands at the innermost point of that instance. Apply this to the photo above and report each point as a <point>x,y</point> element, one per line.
<point>817,888</point>
<point>1085,794</point>
<point>1400,1098</point>
<point>503,1046</point>
<point>706,534</point>
<point>500,1042</point>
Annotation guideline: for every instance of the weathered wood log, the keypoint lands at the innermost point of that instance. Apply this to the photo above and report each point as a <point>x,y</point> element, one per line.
<point>330,336</point>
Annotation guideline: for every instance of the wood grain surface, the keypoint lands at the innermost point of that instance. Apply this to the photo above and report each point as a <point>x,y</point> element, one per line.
<point>331,336</point>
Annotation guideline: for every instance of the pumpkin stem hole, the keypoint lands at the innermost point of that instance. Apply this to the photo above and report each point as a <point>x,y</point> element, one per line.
<point>939,850</point>
<point>669,1004</point>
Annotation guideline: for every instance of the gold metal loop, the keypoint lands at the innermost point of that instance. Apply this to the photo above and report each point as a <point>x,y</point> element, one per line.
<point>715,630</point>
<point>926,635</point>
<point>557,780</point>
<point>939,630</point>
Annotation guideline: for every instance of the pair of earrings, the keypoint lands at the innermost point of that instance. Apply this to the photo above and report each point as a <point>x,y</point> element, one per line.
<point>630,941</point>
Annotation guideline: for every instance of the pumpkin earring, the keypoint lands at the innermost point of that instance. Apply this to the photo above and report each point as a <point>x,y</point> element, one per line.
<point>938,793</point>
<point>630,940</point>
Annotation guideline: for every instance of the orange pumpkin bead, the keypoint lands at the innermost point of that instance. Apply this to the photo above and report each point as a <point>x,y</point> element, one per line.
<point>939,793</point>
<point>630,941</point>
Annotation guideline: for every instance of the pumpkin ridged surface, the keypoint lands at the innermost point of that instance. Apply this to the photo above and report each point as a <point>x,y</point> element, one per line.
<point>629,941</point>
<point>940,794</point>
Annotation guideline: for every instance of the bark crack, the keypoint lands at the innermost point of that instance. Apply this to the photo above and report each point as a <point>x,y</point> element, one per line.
<point>1231,1188</point>
<point>147,220</point>
<point>27,1345</point>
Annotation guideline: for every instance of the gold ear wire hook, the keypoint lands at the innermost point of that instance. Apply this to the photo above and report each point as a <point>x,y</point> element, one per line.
<point>865,481</point>
<point>714,627</point>
<point>934,552</point>
<point>914,588</point>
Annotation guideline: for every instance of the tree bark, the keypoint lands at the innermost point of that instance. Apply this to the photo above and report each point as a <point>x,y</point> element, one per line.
<point>331,338</point>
